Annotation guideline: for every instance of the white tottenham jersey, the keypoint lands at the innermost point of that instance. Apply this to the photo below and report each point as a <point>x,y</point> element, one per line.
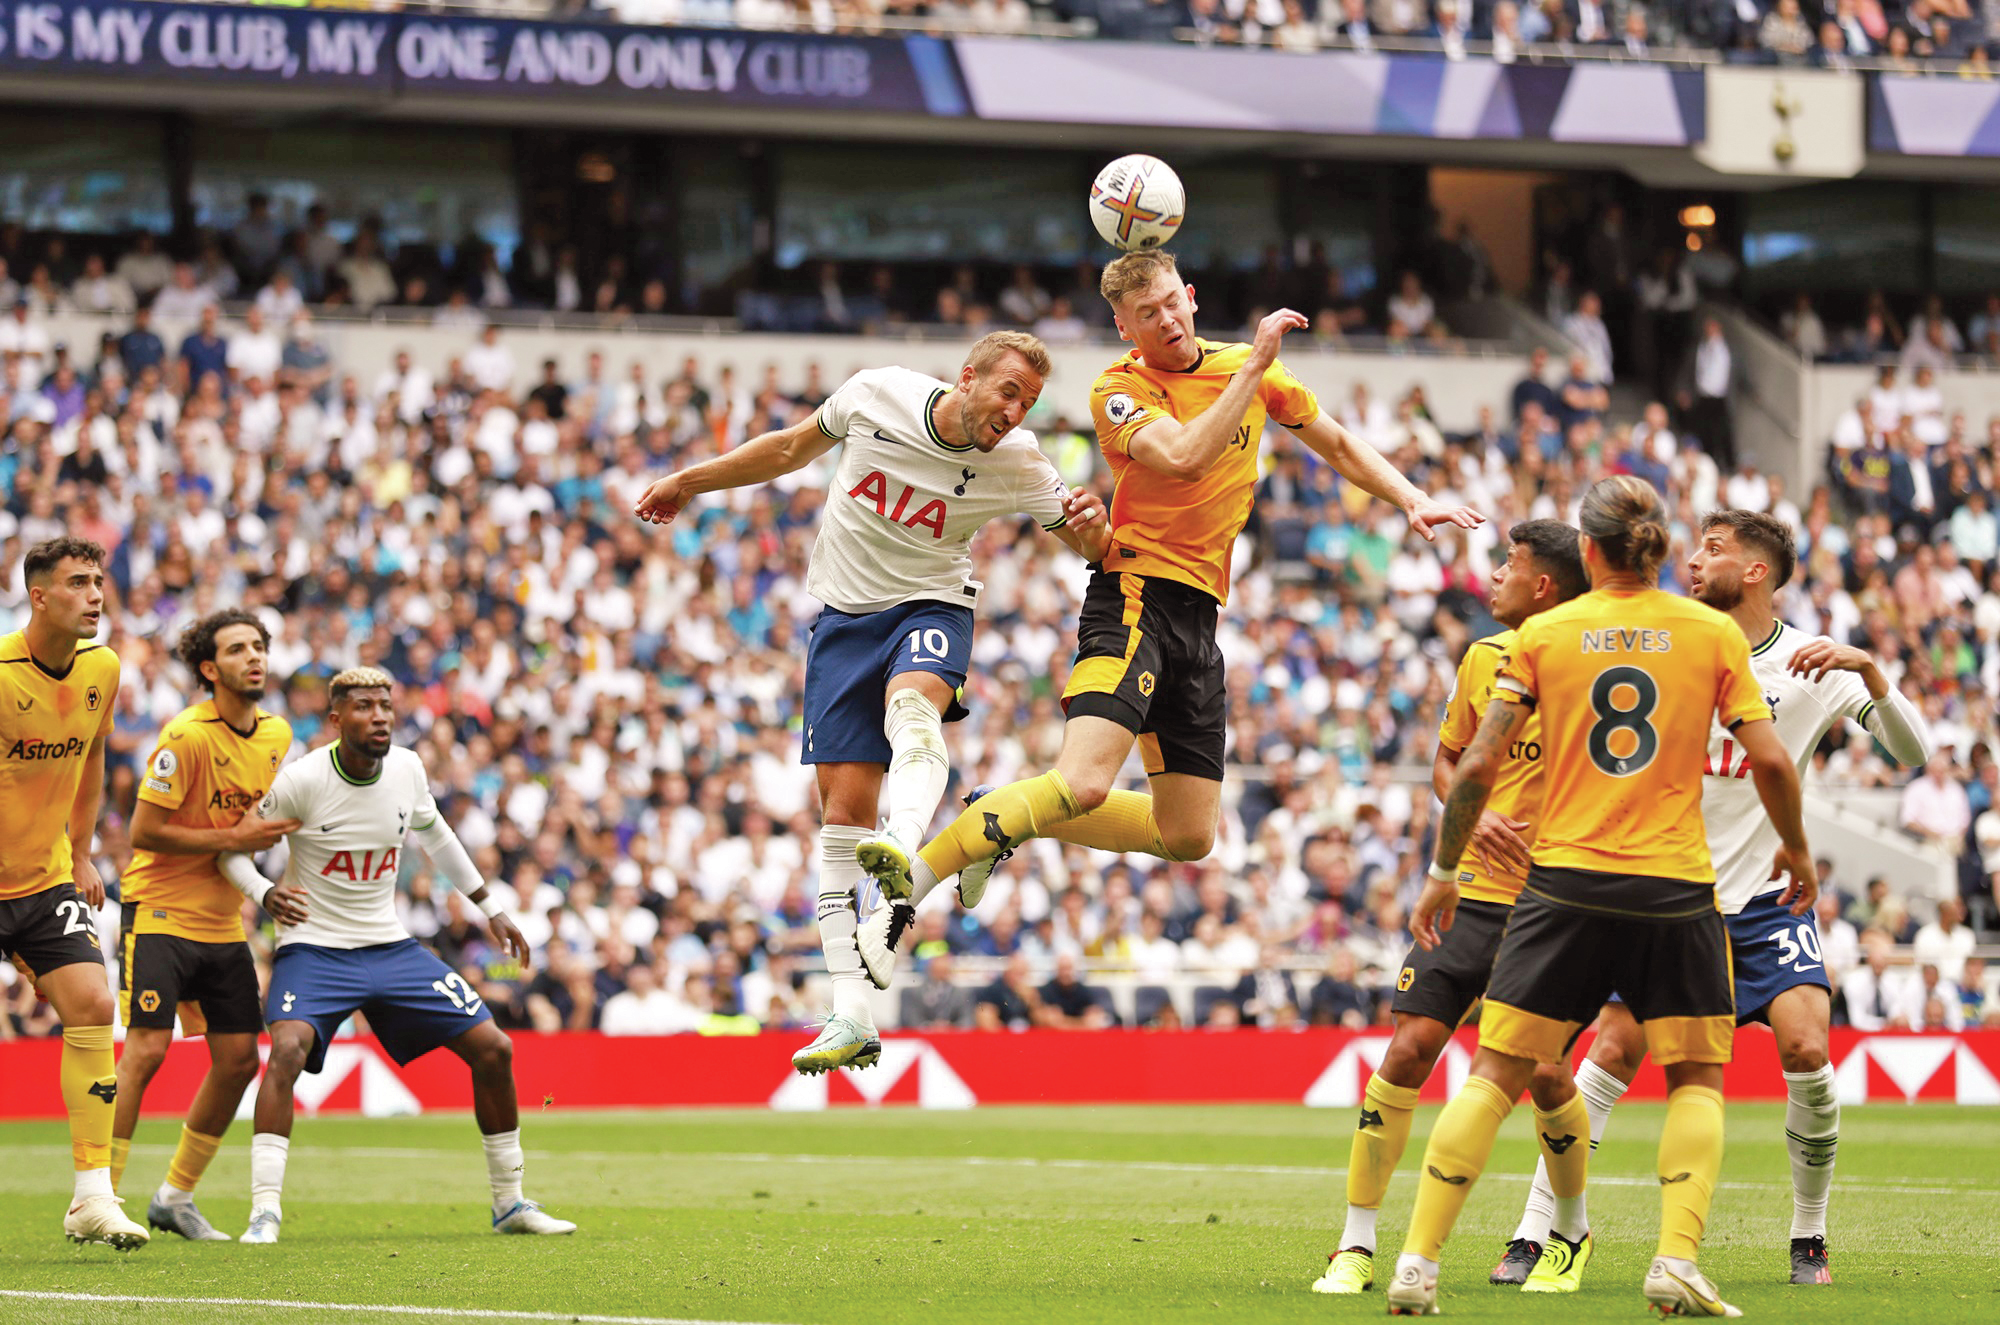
<point>349,847</point>
<point>1741,837</point>
<point>904,505</point>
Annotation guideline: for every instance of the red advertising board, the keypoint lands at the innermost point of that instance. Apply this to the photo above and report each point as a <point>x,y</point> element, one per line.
<point>963,1069</point>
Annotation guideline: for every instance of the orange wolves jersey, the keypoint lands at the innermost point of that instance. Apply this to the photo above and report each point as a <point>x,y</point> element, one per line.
<point>1174,528</point>
<point>1517,793</point>
<point>207,774</point>
<point>1626,685</point>
<point>47,725</point>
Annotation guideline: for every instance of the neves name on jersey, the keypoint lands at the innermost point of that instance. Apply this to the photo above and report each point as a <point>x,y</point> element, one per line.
<point>905,503</point>
<point>349,844</point>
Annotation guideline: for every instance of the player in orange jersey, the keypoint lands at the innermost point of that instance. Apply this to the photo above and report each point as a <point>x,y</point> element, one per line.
<point>1179,419</point>
<point>1620,893</point>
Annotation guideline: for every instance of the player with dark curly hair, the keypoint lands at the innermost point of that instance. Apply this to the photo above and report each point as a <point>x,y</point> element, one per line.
<point>182,932</point>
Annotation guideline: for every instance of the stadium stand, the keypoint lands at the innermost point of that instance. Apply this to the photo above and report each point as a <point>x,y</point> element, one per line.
<point>610,714</point>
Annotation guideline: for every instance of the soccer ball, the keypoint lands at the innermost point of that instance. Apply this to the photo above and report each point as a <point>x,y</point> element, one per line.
<point>1137,202</point>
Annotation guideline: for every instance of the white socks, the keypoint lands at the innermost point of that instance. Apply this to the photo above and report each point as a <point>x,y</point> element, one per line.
<point>93,1182</point>
<point>840,875</point>
<point>1360,1230</point>
<point>504,1165</point>
<point>918,767</point>
<point>172,1195</point>
<point>1812,1135</point>
<point>1601,1091</point>
<point>268,1152</point>
<point>923,881</point>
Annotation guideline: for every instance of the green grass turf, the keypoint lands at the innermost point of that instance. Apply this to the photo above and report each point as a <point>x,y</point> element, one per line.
<point>1145,1214</point>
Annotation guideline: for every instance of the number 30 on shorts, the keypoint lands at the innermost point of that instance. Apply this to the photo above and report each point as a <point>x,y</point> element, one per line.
<point>1623,740</point>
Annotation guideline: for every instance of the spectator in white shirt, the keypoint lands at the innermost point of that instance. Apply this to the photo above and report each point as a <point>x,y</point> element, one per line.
<point>99,291</point>
<point>1840,946</point>
<point>1023,301</point>
<point>1803,329</point>
<point>1586,328</point>
<point>1947,941</point>
<point>1061,325</point>
<point>1935,807</point>
<point>1748,490</point>
<point>257,351</point>
<point>367,277</point>
<point>645,1009</point>
<point>280,301</point>
<point>1872,991</point>
<point>183,298</point>
<point>411,385</point>
<point>490,364</point>
<point>1930,1002</point>
<point>145,269</point>
<point>1412,312</point>
<point>25,341</point>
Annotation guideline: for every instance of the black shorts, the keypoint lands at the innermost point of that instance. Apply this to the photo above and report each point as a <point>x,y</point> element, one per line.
<point>162,972</point>
<point>1577,936</point>
<point>1146,658</point>
<point>54,927</point>
<point>1444,983</point>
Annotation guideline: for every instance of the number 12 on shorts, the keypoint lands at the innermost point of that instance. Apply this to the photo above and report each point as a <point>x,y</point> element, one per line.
<point>453,987</point>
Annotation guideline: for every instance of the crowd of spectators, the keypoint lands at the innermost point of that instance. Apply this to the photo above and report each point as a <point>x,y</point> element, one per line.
<point>1935,336</point>
<point>610,713</point>
<point>282,270</point>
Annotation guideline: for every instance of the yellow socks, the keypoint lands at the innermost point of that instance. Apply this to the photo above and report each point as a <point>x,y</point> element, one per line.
<point>1564,1136</point>
<point>121,1150</point>
<point>1460,1145</point>
<point>1690,1159</point>
<point>1124,822</point>
<point>90,1092</point>
<point>1000,821</point>
<point>1378,1141</point>
<point>191,1158</point>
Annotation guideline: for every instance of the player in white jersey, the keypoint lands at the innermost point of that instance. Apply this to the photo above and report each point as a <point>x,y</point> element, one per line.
<point>357,801</point>
<point>924,465</point>
<point>1811,684</point>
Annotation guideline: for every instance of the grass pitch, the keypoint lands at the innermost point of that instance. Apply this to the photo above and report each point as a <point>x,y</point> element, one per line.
<point>1143,1215</point>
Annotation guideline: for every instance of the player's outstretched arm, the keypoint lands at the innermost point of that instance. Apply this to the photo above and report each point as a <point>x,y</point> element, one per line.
<point>1478,769</point>
<point>1891,718</point>
<point>1187,450</point>
<point>1369,470</point>
<point>1777,779</point>
<point>758,460</point>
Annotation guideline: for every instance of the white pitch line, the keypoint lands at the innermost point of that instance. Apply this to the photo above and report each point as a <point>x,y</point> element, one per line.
<point>1022,1162</point>
<point>478,1313</point>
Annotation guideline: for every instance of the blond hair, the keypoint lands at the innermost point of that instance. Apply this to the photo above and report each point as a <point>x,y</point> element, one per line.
<point>1132,273</point>
<point>358,678</point>
<point>989,349</point>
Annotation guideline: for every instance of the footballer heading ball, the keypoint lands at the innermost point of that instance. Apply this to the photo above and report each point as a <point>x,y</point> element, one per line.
<point>1137,203</point>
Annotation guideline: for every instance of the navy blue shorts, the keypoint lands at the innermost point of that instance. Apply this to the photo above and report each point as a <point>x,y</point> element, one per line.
<point>412,1000</point>
<point>1772,950</point>
<point>849,661</point>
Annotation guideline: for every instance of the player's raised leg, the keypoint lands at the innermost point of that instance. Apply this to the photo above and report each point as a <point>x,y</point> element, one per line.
<point>496,1108</point>
<point>919,771</point>
<point>1799,1017</point>
<point>1614,1059</point>
<point>81,996</point>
